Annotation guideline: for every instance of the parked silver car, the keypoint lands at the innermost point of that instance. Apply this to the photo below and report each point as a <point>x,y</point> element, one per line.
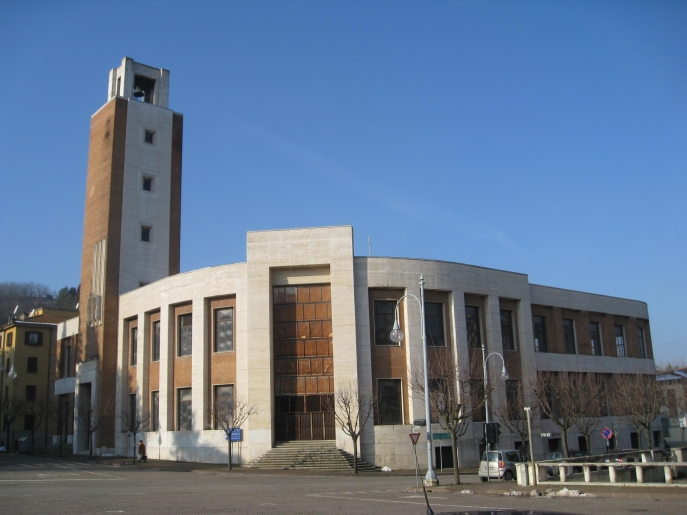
<point>501,464</point>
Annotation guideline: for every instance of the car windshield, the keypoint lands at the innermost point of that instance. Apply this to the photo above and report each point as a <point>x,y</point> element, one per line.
<point>493,456</point>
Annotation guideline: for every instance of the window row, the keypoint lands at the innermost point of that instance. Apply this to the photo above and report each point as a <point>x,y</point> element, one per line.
<point>384,314</point>
<point>221,413</point>
<point>222,340</point>
<point>31,365</point>
<point>570,339</point>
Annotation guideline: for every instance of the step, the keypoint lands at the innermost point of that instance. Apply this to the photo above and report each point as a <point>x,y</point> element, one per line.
<point>313,454</point>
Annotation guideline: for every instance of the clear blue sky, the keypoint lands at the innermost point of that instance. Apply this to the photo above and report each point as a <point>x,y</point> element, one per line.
<point>547,138</point>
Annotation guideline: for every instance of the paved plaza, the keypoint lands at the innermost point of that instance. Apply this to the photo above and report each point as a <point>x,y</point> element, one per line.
<point>48,486</point>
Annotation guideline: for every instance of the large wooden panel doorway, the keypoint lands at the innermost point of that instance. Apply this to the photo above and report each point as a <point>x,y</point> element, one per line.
<point>303,363</point>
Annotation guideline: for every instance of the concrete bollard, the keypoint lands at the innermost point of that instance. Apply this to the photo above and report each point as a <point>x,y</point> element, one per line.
<point>562,472</point>
<point>611,473</point>
<point>587,474</point>
<point>669,475</point>
<point>640,474</point>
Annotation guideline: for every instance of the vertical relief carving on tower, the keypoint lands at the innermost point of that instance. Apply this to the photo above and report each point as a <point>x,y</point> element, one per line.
<point>95,300</point>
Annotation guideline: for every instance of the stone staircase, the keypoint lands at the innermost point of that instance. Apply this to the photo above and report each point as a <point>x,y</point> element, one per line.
<point>313,454</point>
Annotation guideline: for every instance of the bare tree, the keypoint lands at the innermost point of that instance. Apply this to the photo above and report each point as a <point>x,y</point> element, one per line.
<point>637,398</point>
<point>592,399</point>
<point>59,413</point>
<point>11,407</point>
<point>228,414</point>
<point>352,409</point>
<point>91,417</point>
<point>35,412</point>
<point>512,416</point>
<point>454,399</point>
<point>558,396</point>
<point>134,423</point>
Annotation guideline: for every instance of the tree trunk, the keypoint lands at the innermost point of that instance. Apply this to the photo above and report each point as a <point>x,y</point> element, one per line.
<point>587,438</point>
<point>229,464</point>
<point>564,436</point>
<point>90,444</point>
<point>7,436</point>
<point>454,449</point>
<point>135,449</point>
<point>355,454</point>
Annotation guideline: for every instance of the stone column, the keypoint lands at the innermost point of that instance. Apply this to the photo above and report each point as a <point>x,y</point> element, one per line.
<point>200,396</point>
<point>166,368</point>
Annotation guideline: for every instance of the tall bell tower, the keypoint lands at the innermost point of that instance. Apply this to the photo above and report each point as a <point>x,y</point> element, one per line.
<point>132,221</point>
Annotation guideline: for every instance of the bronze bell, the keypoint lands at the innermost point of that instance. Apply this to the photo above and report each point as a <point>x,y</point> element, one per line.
<point>138,92</point>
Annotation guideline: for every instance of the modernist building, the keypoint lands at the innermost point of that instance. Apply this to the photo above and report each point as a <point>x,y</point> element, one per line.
<point>131,226</point>
<point>303,313</point>
<point>298,317</point>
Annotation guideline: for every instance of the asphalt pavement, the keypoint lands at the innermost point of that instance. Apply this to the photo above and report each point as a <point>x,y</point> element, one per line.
<point>34,485</point>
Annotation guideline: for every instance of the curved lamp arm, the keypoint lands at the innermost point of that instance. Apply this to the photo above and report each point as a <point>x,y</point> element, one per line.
<point>504,372</point>
<point>396,333</point>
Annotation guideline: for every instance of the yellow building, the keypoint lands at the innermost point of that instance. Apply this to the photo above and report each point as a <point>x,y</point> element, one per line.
<point>27,347</point>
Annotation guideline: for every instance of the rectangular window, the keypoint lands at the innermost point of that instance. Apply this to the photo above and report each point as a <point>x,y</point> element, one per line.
<point>657,438</point>
<point>384,315</point>
<point>156,341</point>
<point>133,347</point>
<point>224,406</point>
<point>155,411</point>
<point>539,326</point>
<point>145,233</point>
<point>595,334</point>
<point>30,392</point>
<point>224,329</point>
<point>390,403</point>
<point>569,336</point>
<point>32,366</point>
<point>10,337</point>
<point>472,325</point>
<point>513,404</point>
<point>665,427</point>
<point>184,409</point>
<point>642,343</point>
<point>507,333</point>
<point>149,137</point>
<point>147,183</point>
<point>184,338</point>
<point>33,338</point>
<point>620,341</point>
<point>434,324</point>
<point>133,412</point>
<point>65,358</point>
<point>477,398</point>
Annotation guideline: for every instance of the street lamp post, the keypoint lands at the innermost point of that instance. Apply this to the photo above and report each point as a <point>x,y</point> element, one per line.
<point>528,411</point>
<point>504,376</point>
<point>397,336</point>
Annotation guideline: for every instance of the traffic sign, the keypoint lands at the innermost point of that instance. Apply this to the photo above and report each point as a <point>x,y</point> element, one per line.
<point>441,436</point>
<point>607,433</point>
<point>414,437</point>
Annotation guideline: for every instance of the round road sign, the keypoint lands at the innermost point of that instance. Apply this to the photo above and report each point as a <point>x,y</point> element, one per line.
<point>607,433</point>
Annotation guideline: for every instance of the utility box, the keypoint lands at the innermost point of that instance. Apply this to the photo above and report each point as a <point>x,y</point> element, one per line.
<point>521,470</point>
<point>24,444</point>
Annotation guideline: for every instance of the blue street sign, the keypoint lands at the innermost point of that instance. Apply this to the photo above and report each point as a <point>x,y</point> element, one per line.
<point>235,434</point>
<point>607,433</point>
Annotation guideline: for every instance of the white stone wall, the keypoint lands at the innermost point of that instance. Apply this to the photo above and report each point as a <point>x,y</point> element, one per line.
<point>325,255</point>
<point>145,262</point>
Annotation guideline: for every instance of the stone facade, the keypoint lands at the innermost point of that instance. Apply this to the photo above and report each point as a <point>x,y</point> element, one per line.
<point>324,256</point>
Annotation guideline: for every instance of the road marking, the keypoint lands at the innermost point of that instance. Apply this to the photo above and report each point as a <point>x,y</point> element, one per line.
<point>400,502</point>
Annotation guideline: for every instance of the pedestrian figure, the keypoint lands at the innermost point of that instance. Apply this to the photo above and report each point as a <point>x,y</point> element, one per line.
<point>142,451</point>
